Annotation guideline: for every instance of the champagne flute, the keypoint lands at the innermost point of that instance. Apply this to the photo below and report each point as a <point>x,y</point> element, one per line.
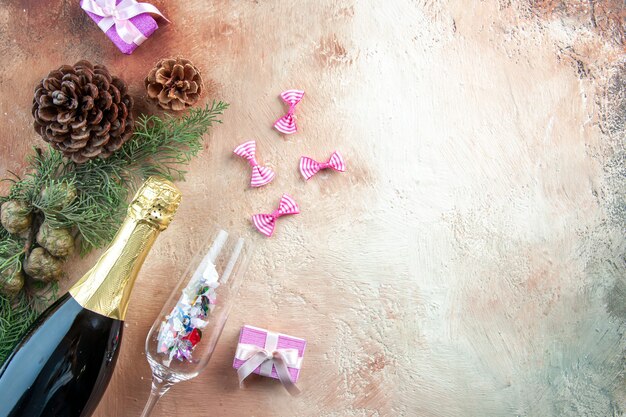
<point>184,335</point>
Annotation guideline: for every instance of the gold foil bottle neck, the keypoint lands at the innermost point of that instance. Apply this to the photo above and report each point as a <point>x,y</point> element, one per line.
<point>156,202</point>
<point>106,288</point>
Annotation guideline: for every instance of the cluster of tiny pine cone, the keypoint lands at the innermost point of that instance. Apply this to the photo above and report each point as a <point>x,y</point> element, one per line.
<point>48,247</point>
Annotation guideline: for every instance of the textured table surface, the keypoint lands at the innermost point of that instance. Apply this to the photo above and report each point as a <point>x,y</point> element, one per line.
<point>470,262</point>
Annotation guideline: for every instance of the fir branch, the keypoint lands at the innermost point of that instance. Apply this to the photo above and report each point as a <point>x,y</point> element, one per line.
<point>45,167</point>
<point>11,251</point>
<point>177,141</point>
<point>102,187</point>
<point>17,315</point>
<point>158,147</point>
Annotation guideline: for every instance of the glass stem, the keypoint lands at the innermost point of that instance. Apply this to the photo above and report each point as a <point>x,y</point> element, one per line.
<point>159,387</point>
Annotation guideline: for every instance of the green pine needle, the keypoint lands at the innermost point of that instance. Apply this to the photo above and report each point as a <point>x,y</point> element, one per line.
<point>17,314</point>
<point>159,146</point>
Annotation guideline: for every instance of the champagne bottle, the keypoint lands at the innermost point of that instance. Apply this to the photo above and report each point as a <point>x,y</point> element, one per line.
<point>63,365</point>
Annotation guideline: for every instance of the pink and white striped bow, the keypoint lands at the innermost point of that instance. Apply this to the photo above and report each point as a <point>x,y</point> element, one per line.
<point>310,167</point>
<point>287,123</point>
<point>261,175</point>
<point>119,15</point>
<point>265,223</point>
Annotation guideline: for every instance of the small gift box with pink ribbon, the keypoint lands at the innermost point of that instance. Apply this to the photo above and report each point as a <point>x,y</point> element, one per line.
<point>269,354</point>
<point>126,22</point>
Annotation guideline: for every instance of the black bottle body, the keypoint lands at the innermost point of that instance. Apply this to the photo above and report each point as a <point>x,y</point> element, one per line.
<point>63,365</point>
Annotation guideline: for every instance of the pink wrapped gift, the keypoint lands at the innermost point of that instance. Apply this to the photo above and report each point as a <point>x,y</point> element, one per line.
<point>127,23</point>
<point>270,354</point>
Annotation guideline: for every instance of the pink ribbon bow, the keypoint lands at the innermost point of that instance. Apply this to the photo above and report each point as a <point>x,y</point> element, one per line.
<point>310,167</point>
<point>287,123</point>
<point>265,223</point>
<point>119,15</point>
<point>260,175</point>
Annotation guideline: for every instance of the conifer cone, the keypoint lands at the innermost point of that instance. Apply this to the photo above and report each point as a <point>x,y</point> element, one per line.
<point>11,281</point>
<point>83,111</point>
<point>174,84</point>
<point>40,265</point>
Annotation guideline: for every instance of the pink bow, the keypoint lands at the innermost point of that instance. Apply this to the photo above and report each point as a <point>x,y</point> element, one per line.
<point>119,15</point>
<point>287,123</point>
<point>260,175</point>
<point>310,167</point>
<point>266,222</point>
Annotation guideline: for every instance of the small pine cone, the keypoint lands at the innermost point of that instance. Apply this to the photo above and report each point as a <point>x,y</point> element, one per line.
<point>83,111</point>
<point>15,216</point>
<point>174,84</point>
<point>59,242</point>
<point>42,266</point>
<point>11,281</point>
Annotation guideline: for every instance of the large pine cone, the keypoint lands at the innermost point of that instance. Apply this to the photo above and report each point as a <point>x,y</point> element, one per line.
<point>83,111</point>
<point>174,83</point>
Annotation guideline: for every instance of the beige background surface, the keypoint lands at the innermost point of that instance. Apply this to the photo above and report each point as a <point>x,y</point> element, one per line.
<point>471,262</point>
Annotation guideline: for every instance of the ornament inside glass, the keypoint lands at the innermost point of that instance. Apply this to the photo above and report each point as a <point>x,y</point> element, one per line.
<point>184,335</point>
